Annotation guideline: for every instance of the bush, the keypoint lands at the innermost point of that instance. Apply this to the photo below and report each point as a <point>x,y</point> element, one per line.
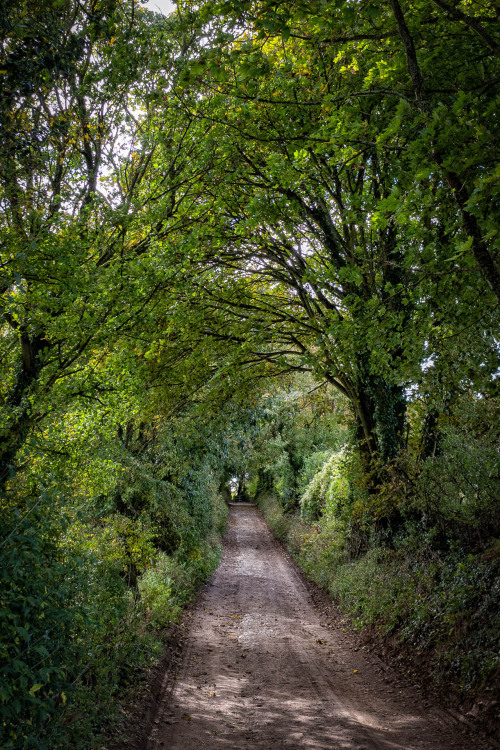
<point>328,490</point>
<point>279,522</point>
<point>156,591</point>
<point>458,490</point>
<point>39,652</point>
<point>312,464</point>
<point>80,609</point>
<point>443,602</point>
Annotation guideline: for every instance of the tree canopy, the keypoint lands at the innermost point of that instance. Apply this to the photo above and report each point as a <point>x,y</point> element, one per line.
<point>232,239</point>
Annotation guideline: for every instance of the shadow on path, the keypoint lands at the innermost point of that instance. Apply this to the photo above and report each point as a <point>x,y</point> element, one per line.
<point>260,671</point>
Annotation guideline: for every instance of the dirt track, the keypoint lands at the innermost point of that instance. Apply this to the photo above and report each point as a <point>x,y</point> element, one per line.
<point>261,671</point>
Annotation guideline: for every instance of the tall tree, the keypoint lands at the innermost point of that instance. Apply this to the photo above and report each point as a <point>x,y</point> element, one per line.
<point>329,225</point>
<point>84,197</point>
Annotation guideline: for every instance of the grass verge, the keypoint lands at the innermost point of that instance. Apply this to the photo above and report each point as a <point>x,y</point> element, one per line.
<point>439,613</point>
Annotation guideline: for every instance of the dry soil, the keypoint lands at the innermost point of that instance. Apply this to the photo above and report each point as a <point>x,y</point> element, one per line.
<point>261,670</point>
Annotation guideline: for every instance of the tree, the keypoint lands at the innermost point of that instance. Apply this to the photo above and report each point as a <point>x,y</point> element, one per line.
<point>329,224</point>
<point>84,199</point>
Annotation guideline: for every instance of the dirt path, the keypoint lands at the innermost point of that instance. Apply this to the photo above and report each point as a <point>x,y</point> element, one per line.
<point>261,672</point>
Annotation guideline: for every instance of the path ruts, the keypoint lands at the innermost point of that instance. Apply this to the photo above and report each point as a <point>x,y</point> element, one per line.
<point>260,672</point>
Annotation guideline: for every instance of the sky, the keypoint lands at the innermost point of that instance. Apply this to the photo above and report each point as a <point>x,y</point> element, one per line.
<point>163,6</point>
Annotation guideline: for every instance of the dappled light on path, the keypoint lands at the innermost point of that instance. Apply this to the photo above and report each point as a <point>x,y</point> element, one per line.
<point>261,671</point>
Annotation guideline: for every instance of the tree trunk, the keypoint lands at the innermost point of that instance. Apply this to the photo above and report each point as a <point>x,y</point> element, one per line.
<point>480,249</point>
<point>366,434</point>
<point>430,439</point>
<point>241,492</point>
<point>380,411</point>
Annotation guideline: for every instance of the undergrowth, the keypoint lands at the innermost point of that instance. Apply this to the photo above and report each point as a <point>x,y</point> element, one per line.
<point>442,605</point>
<point>136,643</point>
<point>77,632</point>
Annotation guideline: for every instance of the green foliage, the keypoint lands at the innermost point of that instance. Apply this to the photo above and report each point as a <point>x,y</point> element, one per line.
<point>39,651</point>
<point>167,584</point>
<point>287,468</point>
<point>312,464</point>
<point>299,425</point>
<point>279,522</point>
<point>106,560</point>
<point>212,223</point>
<point>328,490</point>
<point>457,490</point>
<point>417,579</point>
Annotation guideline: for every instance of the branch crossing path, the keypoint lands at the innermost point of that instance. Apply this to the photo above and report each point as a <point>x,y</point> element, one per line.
<point>262,671</point>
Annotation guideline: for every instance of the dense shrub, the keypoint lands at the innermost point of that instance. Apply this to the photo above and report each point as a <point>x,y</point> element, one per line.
<point>328,490</point>
<point>431,576</point>
<point>75,629</point>
<point>280,522</point>
<point>39,651</point>
<point>97,570</point>
<point>313,463</point>
<point>459,490</point>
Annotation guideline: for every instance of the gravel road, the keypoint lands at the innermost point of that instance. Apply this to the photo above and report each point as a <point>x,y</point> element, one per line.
<point>261,670</point>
